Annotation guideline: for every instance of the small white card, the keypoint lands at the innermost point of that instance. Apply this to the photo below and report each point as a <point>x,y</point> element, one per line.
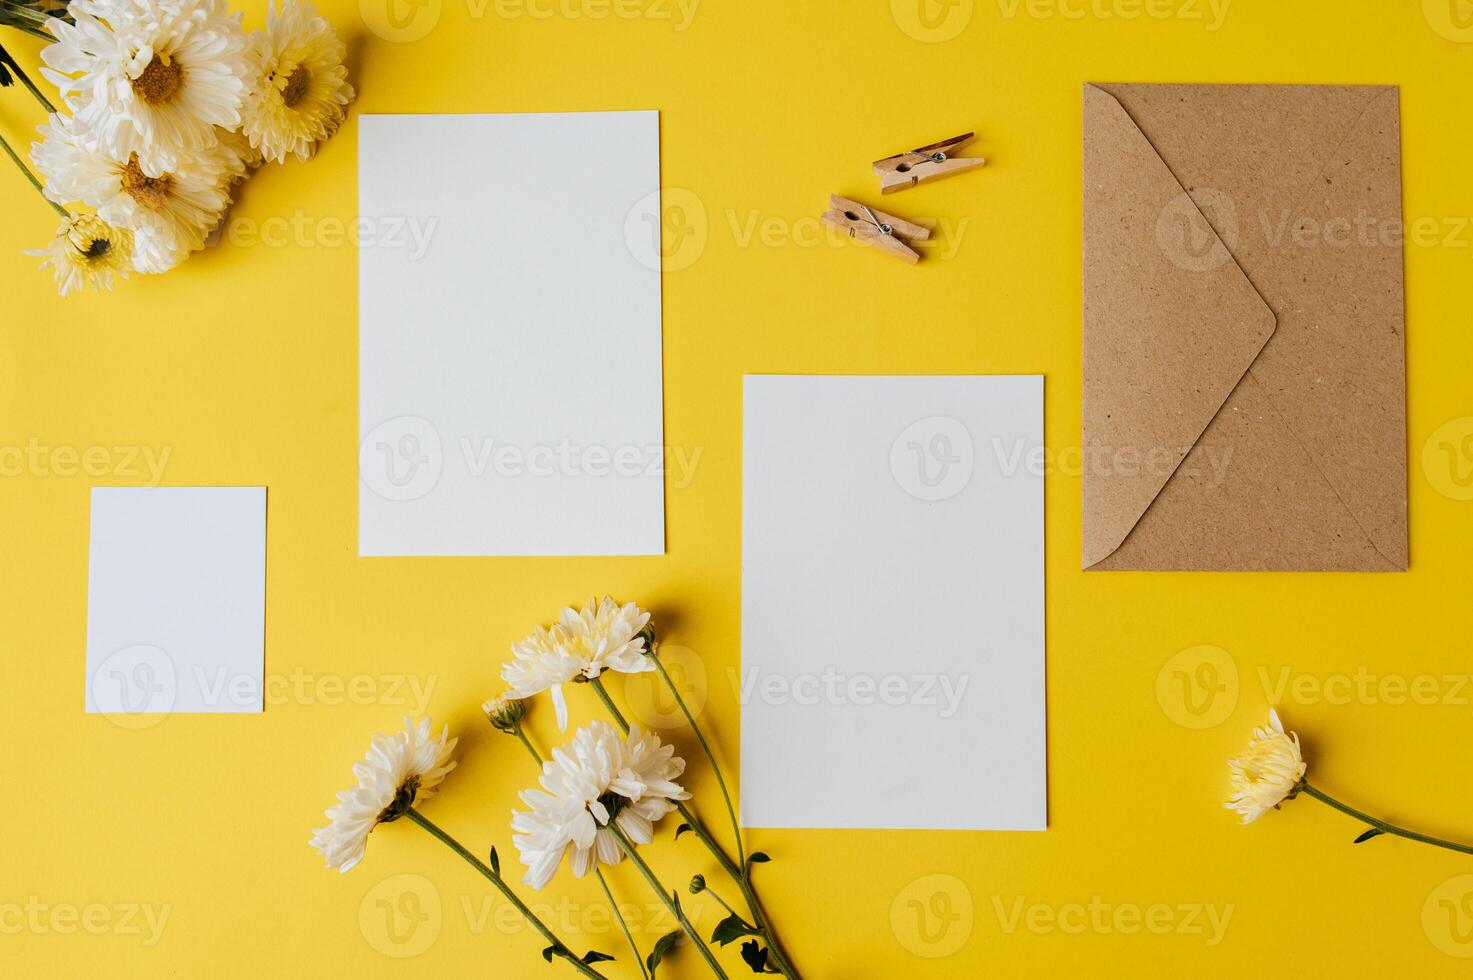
<point>510,381</point>
<point>892,603</point>
<point>176,600</point>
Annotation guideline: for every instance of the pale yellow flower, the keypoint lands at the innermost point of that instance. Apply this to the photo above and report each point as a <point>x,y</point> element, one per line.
<point>300,93</point>
<point>582,644</point>
<point>1268,772</point>
<point>87,251</point>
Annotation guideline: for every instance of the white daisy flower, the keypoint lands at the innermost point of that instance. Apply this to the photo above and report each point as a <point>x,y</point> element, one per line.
<point>1268,772</point>
<point>300,91</point>
<point>582,644</point>
<point>150,77</point>
<point>398,771</point>
<point>170,213</point>
<point>595,778</point>
<point>86,252</point>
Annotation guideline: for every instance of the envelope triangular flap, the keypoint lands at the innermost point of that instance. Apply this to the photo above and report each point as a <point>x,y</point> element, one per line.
<point>1303,184</point>
<point>1168,333</point>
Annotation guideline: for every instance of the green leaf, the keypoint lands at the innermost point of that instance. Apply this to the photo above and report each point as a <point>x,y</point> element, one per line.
<point>731,928</point>
<point>1373,832</point>
<point>549,953</point>
<point>757,857</point>
<point>6,63</point>
<point>495,862</point>
<point>594,956</point>
<point>681,829</point>
<point>662,948</point>
<point>755,956</point>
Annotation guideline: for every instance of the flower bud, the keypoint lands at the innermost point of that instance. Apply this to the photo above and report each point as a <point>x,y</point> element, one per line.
<point>648,635</point>
<point>697,884</point>
<point>505,714</point>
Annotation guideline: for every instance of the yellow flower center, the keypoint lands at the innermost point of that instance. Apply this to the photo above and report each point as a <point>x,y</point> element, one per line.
<point>151,192</point>
<point>296,87</point>
<point>159,80</point>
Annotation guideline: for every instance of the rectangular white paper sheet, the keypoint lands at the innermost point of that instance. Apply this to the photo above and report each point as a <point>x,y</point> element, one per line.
<point>892,603</point>
<point>510,396</point>
<point>176,600</point>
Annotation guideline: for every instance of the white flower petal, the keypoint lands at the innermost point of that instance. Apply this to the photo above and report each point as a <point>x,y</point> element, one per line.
<point>570,805</point>
<point>1266,773</point>
<point>391,762</point>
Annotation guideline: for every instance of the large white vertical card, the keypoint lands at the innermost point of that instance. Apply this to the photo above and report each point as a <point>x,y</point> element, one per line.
<point>892,603</point>
<point>510,382</point>
<point>176,600</point>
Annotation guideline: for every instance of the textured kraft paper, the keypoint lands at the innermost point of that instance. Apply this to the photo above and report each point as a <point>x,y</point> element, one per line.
<point>1244,348</point>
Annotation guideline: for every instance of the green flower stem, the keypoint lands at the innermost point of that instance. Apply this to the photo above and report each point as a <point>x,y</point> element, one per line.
<point>674,908</point>
<point>1382,825</point>
<point>628,936</point>
<point>530,747</point>
<point>774,945</point>
<point>597,683</point>
<point>685,812</point>
<point>537,757</point>
<point>736,830</point>
<point>32,178</point>
<point>21,25</point>
<point>736,873</point>
<point>24,18</point>
<point>40,97</point>
<point>719,901</point>
<point>495,879</point>
<point>25,80</point>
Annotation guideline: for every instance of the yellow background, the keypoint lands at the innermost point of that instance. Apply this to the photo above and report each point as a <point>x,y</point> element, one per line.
<point>242,364</point>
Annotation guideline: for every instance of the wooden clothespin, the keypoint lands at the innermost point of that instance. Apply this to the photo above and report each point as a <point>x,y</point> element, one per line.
<point>869,227</point>
<point>925,164</point>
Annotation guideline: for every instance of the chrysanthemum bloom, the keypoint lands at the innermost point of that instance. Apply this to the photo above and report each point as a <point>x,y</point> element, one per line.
<point>87,251</point>
<point>505,713</point>
<point>596,778</point>
<point>300,91</point>
<point>170,213</point>
<point>399,771</point>
<point>1268,772</point>
<point>237,144</point>
<point>150,78</point>
<point>581,645</point>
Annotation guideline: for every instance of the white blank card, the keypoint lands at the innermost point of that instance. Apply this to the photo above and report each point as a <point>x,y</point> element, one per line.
<point>176,600</point>
<point>892,603</point>
<point>510,395</point>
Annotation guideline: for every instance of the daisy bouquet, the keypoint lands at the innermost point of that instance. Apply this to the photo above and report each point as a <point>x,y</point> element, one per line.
<point>165,107</point>
<point>600,798</point>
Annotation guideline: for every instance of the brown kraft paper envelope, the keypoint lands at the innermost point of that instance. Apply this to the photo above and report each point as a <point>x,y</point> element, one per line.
<point>1244,375</point>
